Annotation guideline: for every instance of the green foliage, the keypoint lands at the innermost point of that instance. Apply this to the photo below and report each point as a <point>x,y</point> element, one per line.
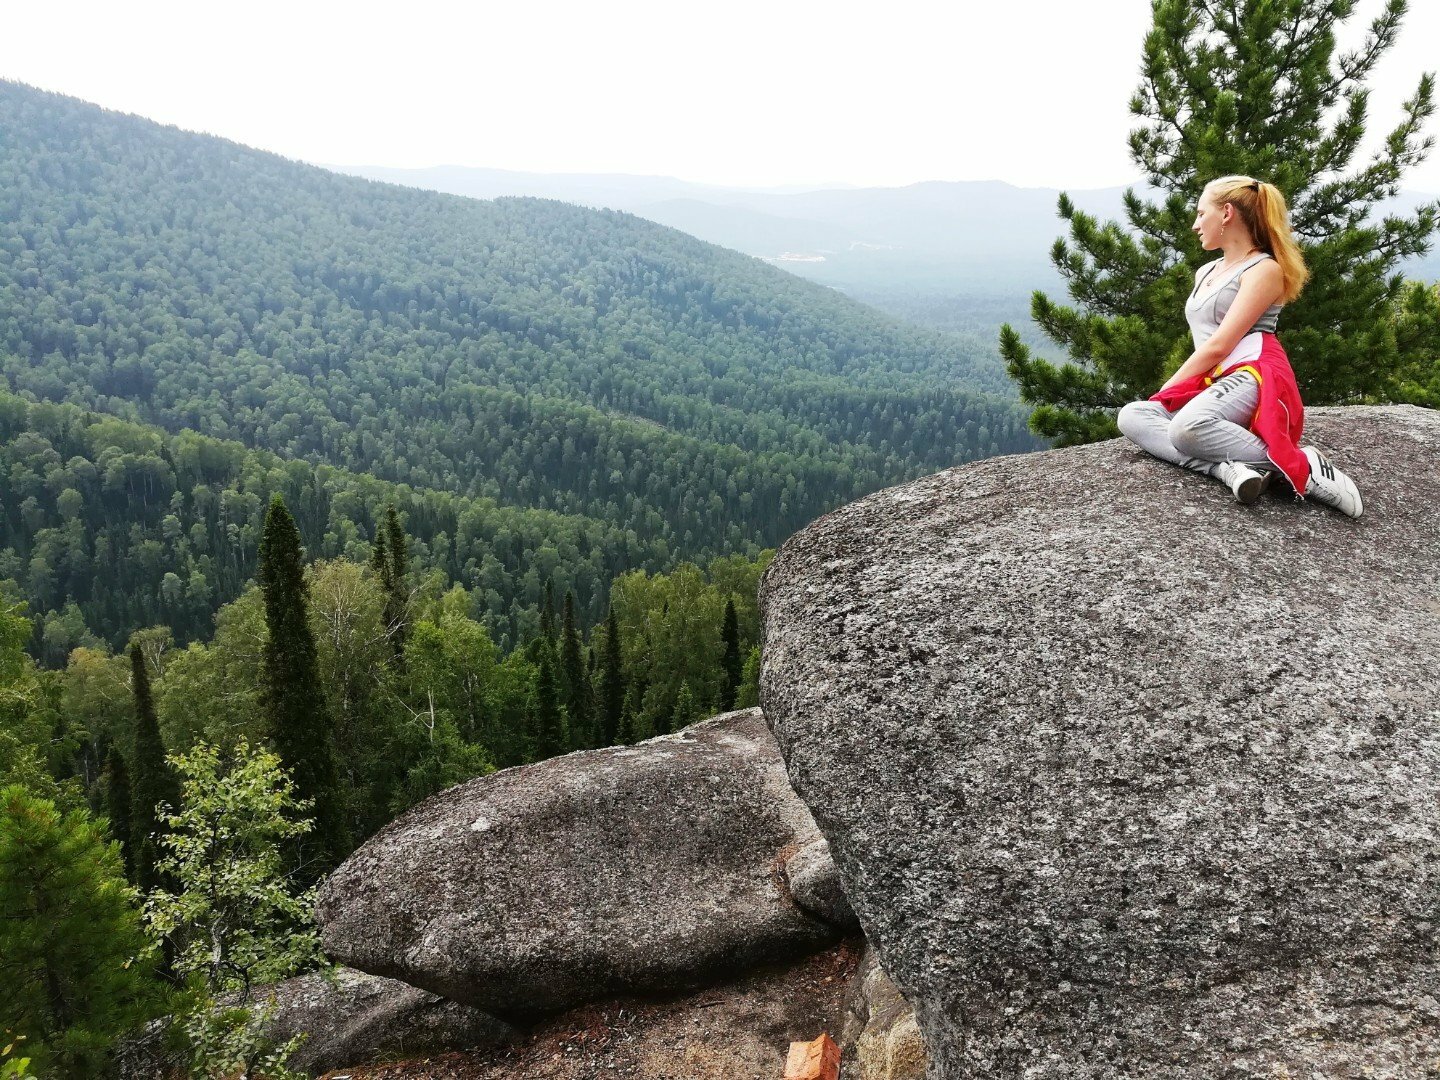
<point>233,920</point>
<point>113,559</point>
<point>27,726</point>
<point>610,691</point>
<point>524,351</point>
<point>730,662</point>
<point>298,722</point>
<point>227,1041</point>
<point>73,960</point>
<point>454,709</point>
<point>154,787</point>
<point>395,578</point>
<point>1417,331</point>
<point>211,693</point>
<point>575,689</point>
<point>450,674</point>
<point>748,695</point>
<point>118,808</point>
<point>1257,90</point>
<point>548,724</point>
<point>672,630</point>
<point>12,1063</point>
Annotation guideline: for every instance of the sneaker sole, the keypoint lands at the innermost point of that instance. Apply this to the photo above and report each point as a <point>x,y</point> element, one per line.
<point>1250,490</point>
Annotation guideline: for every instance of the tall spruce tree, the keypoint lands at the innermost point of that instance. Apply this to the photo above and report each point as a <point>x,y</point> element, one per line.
<point>610,697</point>
<point>632,724</point>
<point>297,719</point>
<point>730,662</point>
<point>118,808</point>
<point>1252,88</point>
<point>151,783</point>
<point>549,723</point>
<point>575,680</point>
<point>397,593</point>
<point>390,562</point>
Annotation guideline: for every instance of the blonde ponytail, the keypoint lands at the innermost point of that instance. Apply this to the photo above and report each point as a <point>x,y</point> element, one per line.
<point>1262,207</point>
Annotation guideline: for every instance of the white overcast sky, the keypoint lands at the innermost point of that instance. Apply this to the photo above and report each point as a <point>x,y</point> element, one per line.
<point>745,92</point>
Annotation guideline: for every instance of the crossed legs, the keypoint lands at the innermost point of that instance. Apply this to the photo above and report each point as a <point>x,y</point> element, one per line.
<point>1211,429</point>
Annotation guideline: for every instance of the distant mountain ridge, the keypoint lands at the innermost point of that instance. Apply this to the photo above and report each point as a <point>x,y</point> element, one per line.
<point>988,237</point>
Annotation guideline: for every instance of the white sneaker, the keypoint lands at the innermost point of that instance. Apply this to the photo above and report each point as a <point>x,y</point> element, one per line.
<point>1248,484</point>
<point>1331,486</point>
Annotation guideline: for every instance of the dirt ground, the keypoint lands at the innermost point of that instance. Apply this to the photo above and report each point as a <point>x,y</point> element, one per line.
<point>737,1031</point>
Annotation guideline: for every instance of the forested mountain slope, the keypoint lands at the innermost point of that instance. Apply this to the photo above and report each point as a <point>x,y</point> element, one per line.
<point>139,528</point>
<point>584,361</point>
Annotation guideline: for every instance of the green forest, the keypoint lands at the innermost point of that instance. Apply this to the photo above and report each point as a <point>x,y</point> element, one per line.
<point>534,352</point>
<point>112,525</point>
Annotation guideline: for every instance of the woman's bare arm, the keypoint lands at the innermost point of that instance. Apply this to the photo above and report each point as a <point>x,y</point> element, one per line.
<point>1260,286</point>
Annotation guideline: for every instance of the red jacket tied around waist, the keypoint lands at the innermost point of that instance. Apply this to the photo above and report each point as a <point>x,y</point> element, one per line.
<point>1279,418</point>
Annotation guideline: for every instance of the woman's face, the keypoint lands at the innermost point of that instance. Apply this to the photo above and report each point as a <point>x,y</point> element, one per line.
<point>1208,220</point>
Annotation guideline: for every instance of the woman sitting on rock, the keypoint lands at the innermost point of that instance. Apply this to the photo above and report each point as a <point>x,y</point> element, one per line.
<point>1232,410</point>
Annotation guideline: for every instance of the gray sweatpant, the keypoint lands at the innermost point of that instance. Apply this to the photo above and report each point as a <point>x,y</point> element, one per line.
<point>1212,427</point>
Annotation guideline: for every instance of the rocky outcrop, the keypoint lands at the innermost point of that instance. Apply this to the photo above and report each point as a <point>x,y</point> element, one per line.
<point>652,868</point>
<point>880,1039</point>
<point>1124,779</point>
<point>348,1018</point>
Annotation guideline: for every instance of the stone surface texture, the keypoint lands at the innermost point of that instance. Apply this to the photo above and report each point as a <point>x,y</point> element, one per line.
<point>880,1039</point>
<point>651,868</point>
<point>814,884</point>
<point>738,1030</point>
<point>1123,778</point>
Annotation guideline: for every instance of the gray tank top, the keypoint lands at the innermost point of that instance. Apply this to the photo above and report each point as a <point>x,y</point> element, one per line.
<point>1205,312</point>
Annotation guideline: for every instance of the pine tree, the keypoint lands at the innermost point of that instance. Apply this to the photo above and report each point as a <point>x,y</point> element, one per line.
<point>610,697</point>
<point>1250,89</point>
<point>152,784</point>
<point>549,724</point>
<point>632,727</point>
<point>297,719</point>
<point>77,968</point>
<point>117,808</point>
<point>575,680</point>
<point>730,662</point>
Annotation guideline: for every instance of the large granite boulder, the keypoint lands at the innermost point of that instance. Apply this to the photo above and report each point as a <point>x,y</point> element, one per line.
<point>650,868</point>
<point>1125,779</point>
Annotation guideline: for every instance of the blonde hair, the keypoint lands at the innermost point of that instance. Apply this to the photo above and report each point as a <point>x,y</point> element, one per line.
<point>1262,208</point>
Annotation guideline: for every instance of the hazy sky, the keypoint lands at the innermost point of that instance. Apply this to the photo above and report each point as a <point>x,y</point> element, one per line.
<point>745,92</point>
